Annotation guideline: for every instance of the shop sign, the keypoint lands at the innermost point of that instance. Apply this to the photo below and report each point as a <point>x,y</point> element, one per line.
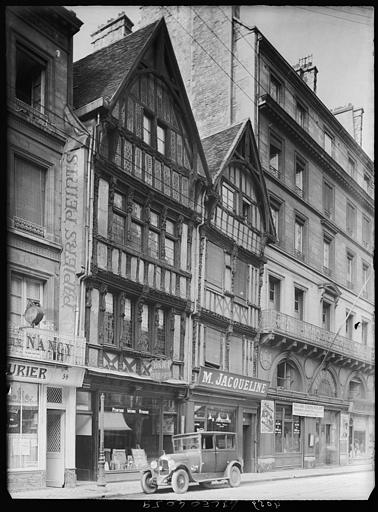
<point>160,369</point>
<point>278,427</point>
<point>309,410</point>
<point>267,416</point>
<point>117,409</point>
<point>61,375</point>
<point>232,382</point>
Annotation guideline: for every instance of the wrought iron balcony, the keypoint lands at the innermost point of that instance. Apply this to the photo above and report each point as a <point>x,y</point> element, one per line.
<point>290,327</point>
<point>45,345</point>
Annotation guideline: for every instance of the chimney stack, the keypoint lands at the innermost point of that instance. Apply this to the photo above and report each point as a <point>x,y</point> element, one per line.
<point>307,71</point>
<point>110,32</point>
<point>351,119</point>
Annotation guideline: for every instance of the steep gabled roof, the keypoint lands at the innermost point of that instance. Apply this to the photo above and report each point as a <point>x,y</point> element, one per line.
<point>218,146</point>
<point>99,74</point>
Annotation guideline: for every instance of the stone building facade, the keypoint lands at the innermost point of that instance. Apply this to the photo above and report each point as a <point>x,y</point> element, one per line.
<point>316,336</point>
<point>44,357</point>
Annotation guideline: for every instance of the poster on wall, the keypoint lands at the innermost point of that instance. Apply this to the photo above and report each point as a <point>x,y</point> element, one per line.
<point>344,426</point>
<point>267,417</point>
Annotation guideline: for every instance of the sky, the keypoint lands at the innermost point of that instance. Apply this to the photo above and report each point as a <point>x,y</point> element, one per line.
<point>340,39</point>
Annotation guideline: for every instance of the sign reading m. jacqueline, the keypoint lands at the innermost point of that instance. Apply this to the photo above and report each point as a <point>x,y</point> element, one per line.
<point>216,379</point>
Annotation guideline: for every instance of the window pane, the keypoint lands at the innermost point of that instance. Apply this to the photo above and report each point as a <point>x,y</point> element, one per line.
<point>170,227</point>
<point>153,244</point>
<point>136,236</point>
<point>170,251</point>
<point>118,228</point>
<point>137,211</point>
<point>241,279</point>
<point>154,219</point>
<point>161,139</point>
<point>119,201</point>
<point>228,196</point>
<point>29,191</point>
<point>147,129</point>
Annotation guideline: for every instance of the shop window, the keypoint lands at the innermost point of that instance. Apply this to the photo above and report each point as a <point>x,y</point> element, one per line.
<point>287,376</point>
<point>22,428</point>
<point>30,78</point>
<point>23,290</point>
<point>213,418</point>
<point>27,191</point>
<point>287,431</point>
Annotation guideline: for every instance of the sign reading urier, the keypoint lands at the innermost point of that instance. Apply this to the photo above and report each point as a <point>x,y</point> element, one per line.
<point>216,379</point>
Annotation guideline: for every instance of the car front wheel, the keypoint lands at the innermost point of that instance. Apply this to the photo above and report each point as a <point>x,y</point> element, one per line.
<point>180,481</point>
<point>146,482</point>
<point>235,477</point>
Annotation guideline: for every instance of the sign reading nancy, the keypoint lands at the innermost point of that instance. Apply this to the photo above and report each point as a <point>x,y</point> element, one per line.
<point>217,379</point>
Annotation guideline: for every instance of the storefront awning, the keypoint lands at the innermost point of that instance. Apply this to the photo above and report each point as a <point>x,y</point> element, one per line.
<point>114,421</point>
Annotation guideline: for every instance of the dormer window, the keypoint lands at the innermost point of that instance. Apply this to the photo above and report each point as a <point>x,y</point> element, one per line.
<point>30,78</point>
<point>147,129</point>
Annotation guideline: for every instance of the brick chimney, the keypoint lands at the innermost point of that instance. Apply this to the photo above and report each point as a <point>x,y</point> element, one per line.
<point>307,71</point>
<point>110,32</point>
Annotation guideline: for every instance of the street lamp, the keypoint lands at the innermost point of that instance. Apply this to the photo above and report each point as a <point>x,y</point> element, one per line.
<point>101,457</point>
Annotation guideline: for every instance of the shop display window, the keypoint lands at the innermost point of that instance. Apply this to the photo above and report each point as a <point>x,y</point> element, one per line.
<point>287,431</point>
<point>214,418</point>
<point>22,428</point>
<point>136,430</point>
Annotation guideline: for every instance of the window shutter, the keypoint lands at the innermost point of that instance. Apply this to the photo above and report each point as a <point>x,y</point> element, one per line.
<point>236,355</point>
<point>29,191</point>
<point>214,264</point>
<point>213,342</point>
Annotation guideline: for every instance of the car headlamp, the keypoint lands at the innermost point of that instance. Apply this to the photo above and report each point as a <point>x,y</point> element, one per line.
<point>154,464</point>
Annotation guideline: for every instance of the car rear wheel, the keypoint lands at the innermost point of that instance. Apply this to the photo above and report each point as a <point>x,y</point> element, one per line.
<point>180,481</point>
<point>235,477</point>
<point>146,482</point>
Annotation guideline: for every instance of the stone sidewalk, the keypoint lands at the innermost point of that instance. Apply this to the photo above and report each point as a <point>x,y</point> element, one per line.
<point>90,490</point>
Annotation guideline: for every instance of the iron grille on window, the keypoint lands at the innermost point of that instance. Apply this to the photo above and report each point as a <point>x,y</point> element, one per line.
<point>54,395</point>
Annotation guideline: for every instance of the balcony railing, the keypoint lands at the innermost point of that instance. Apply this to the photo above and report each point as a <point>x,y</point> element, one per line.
<point>45,345</point>
<point>274,321</point>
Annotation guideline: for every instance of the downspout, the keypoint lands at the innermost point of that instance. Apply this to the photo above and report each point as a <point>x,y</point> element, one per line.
<point>88,236</point>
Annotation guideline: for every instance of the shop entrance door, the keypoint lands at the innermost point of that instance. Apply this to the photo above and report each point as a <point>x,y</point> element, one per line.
<point>320,442</point>
<point>55,448</point>
<point>249,442</point>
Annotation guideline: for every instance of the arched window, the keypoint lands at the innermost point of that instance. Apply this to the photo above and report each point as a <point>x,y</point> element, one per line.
<point>327,386</point>
<point>356,389</point>
<point>288,376</point>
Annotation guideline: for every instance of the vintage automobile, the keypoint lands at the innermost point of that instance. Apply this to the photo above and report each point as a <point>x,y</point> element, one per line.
<point>199,457</point>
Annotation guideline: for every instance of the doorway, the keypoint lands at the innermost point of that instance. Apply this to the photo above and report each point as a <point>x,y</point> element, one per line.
<point>249,442</point>
<point>55,448</point>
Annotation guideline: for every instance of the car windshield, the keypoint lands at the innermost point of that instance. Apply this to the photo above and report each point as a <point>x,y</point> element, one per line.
<point>182,444</point>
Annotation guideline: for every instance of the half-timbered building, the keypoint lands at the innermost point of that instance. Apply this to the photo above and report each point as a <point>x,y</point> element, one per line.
<point>226,393</point>
<point>148,173</point>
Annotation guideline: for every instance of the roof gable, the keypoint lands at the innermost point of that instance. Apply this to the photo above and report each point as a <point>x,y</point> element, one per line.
<point>100,74</point>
